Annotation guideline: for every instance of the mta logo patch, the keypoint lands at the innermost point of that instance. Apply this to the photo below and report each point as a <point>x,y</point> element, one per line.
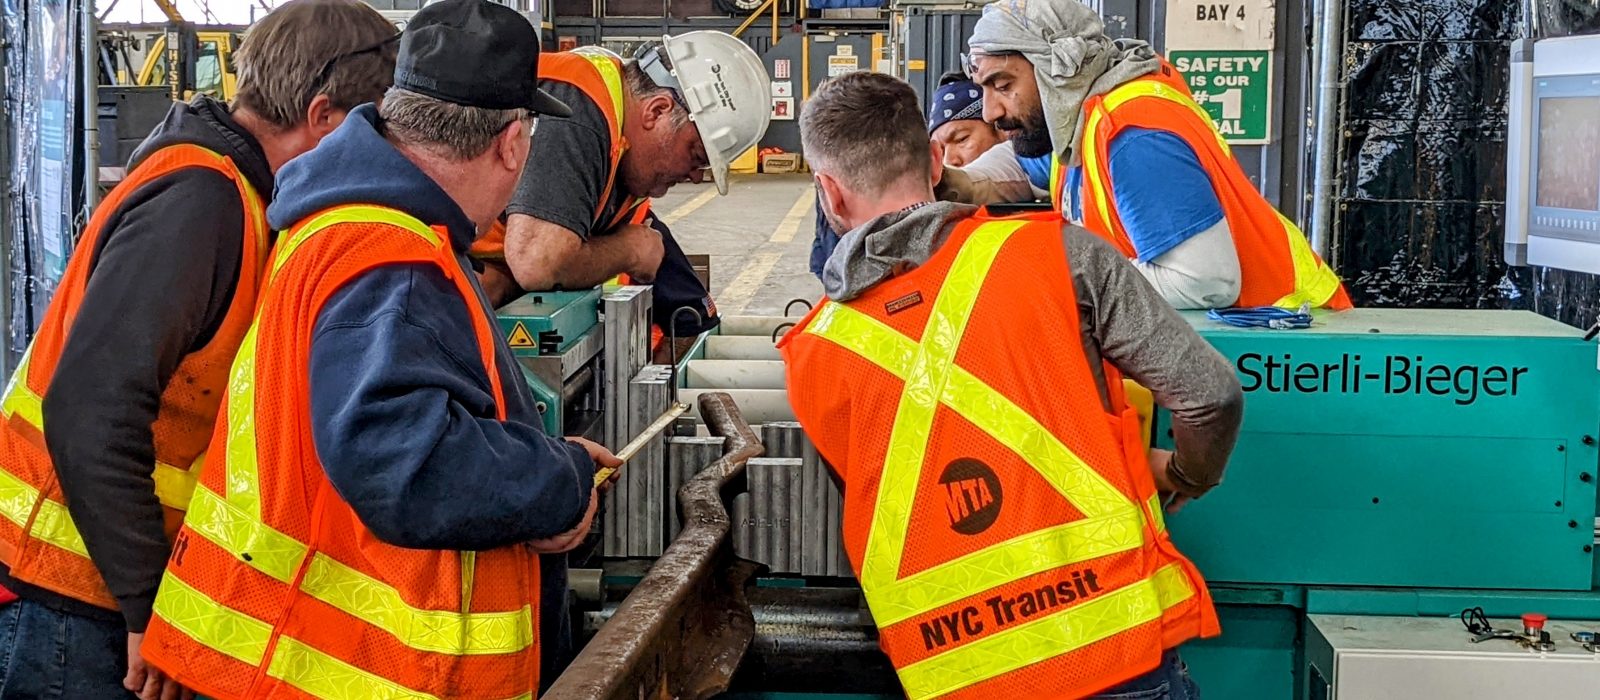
<point>972,496</point>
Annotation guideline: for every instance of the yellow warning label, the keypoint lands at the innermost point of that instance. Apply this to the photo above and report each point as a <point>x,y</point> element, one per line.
<point>520,337</point>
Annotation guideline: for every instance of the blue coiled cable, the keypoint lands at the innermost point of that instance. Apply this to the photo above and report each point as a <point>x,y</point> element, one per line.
<point>1263,317</point>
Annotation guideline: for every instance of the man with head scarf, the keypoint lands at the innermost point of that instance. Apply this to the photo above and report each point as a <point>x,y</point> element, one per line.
<point>1138,161</point>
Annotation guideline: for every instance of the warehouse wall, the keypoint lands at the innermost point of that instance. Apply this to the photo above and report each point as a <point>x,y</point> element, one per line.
<point>1421,206</point>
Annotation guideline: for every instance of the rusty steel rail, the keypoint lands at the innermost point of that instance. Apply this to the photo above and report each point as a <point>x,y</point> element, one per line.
<point>683,630</point>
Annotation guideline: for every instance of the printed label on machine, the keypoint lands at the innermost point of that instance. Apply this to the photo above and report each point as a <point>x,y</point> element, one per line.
<point>1465,384</point>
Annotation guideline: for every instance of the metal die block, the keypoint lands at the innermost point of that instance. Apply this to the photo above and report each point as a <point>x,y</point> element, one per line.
<point>686,456</point>
<point>650,394</point>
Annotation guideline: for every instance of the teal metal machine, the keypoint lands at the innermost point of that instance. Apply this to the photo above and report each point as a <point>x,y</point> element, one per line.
<point>557,339</point>
<point>1395,462</point>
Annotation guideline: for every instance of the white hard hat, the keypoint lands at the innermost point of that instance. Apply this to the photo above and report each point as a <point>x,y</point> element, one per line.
<point>725,87</point>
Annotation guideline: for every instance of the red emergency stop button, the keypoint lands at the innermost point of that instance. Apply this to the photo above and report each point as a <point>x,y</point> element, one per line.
<point>1534,621</point>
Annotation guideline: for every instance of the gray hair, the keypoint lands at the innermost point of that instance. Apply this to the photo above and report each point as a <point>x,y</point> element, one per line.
<point>640,87</point>
<point>865,129</point>
<point>461,132</point>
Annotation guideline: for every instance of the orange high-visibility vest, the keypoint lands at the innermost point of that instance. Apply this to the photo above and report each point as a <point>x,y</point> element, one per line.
<point>1004,525</point>
<point>600,79</point>
<point>275,587</point>
<point>1276,263</point>
<point>38,539</point>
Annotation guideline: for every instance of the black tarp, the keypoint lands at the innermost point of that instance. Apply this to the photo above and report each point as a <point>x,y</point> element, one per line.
<point>1422,175</point>
<point>42,86</point>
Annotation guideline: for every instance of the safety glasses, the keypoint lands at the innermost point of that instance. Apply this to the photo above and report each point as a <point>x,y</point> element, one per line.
<point>327,68</point>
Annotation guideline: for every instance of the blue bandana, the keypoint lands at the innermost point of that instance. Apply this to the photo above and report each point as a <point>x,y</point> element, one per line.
<point>959,100</point>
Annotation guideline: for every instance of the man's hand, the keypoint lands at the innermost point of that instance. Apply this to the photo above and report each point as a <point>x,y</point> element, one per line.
<point>147,682</point>
<point>645,251</point>
<point>564,542</point>
<point>1174,499</point>
<point>602,458</point>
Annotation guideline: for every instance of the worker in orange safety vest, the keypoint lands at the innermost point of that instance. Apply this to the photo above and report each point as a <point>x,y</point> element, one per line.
<point>109,414</point>
<point>382,515</point>
<point>682,111</point>
<point>962,380</point>
<point>1138,161</point>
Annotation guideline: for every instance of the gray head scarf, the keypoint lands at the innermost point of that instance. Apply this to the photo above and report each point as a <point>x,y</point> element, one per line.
<point>1072,57</point>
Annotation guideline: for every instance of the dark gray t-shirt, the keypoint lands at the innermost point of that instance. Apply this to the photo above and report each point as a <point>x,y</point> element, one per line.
<point>568,167</point>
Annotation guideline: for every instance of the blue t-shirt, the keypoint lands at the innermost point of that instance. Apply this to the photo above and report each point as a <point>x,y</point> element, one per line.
<point>1038,170</point>
<point>1162,192</point>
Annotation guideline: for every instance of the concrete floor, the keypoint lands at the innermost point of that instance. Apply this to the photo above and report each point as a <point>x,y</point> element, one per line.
<point>759,238</point>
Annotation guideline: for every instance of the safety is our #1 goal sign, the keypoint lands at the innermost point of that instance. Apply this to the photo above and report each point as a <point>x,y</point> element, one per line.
<point>1224,50</point>
<point>1235,87</point>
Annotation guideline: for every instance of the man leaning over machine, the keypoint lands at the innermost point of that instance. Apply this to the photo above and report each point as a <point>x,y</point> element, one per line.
<point>581,215</point>
<point>962,379</point>
<point>1138,161</point>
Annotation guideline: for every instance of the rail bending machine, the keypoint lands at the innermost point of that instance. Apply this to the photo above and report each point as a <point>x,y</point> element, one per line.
<point>1410,512</point>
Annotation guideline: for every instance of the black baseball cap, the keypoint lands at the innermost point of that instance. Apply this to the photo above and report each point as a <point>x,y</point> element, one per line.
<point>474,53</point>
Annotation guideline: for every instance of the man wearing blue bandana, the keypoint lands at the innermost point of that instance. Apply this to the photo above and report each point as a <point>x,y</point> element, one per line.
<point>990,169</point>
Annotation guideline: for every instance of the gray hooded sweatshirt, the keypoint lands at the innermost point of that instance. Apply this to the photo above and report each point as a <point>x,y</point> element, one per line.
<point>1124,322</point>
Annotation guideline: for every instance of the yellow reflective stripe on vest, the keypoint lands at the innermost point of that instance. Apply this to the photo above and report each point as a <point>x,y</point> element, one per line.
<point>1058,198</point>
<point>1314,281</point>
<point>439,631</point>
<point>227,526</point>
<point>1046,637</point>
<point>175,485</point>
<point>376,603</point>
<point>1157,517</point>
<point>298,664</point>
<point>52,525</point>
<point>241,481</point>
<point>245,638</point>
<point>1111,524</point>
<point>352,214</point>
<point>223,629</point>
<point>612,77</point>
<point>20,401</point>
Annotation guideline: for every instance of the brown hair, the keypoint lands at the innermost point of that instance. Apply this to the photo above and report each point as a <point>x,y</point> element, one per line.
<point>340,48</point>
<point>866,129</point>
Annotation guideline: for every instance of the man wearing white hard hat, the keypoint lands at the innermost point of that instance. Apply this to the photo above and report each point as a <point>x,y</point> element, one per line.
<point>581,214</point>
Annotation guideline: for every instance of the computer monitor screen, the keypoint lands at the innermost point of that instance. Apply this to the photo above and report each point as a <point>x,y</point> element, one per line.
<point>1568,174</point>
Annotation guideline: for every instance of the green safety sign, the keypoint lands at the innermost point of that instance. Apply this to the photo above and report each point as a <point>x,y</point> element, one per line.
<point>1235,87</point>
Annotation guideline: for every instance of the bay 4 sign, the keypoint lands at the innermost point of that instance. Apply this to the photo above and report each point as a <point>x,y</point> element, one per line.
<point>1234,87</point>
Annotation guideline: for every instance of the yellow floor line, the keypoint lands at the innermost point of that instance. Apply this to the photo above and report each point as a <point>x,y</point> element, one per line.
<point>743,288</point>
<point>797,213</point>
<point>690,206</point>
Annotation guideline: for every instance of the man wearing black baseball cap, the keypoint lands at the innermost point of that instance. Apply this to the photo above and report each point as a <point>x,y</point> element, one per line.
<point>410,504</point>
